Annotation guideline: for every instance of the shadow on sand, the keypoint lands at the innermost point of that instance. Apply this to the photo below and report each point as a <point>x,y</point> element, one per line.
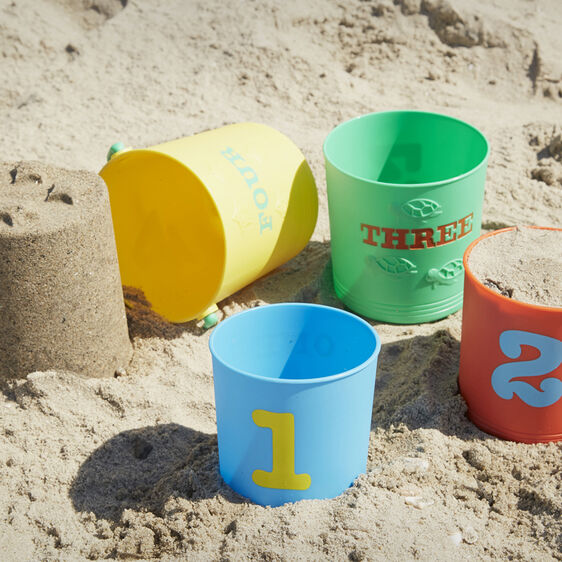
<point>142,468</point>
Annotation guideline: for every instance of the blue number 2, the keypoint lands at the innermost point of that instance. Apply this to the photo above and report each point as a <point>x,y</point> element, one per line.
<point>550,357</point>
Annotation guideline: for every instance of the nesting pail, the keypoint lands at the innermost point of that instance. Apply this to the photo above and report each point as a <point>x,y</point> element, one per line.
<point>294,390</point>
<point>510,370</point>
<point>405,192</point>
<point>198,218</point>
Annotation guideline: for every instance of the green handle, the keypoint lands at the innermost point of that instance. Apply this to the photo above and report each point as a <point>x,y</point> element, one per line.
<point>114,149</point>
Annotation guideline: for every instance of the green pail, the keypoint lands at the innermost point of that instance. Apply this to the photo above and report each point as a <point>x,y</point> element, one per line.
<point>405,192</point>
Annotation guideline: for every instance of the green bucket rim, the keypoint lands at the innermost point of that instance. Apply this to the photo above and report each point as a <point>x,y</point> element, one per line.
<point>406,185</point>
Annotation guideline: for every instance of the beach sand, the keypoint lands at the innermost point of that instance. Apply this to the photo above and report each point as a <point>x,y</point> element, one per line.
<point>524,264</point>
<point>126,467</point>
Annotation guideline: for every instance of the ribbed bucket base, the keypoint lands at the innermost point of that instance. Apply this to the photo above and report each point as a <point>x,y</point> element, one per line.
<point>399,314</point>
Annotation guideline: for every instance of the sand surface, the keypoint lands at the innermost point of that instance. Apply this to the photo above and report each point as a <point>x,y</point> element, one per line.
<point>126,467</point>
<point>61,299</point>
<point>523,264</point>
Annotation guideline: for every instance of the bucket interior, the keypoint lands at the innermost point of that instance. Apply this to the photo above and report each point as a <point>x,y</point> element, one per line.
<point>405,147</point>
<point>169,234</point>
<point>294,342</point>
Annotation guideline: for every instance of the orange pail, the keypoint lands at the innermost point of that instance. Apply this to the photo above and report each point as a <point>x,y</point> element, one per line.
<point>510,365</point>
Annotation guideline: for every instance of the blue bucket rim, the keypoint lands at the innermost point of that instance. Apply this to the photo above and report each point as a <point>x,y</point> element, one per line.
<point>318,380</point>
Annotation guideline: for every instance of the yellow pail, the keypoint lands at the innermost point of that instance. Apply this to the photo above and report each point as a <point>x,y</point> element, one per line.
<point>198,218</point>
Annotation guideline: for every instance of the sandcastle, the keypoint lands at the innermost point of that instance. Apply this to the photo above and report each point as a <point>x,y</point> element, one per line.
<point>61,300</point>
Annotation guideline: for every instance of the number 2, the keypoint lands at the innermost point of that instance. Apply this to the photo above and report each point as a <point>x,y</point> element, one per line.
<point>550,357</point>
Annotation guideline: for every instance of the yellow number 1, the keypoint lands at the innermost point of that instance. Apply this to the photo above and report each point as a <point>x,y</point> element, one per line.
<point>282,473</point>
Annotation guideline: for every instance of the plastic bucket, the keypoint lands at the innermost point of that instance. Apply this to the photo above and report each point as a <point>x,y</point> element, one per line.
<point>294,390</point>
<point>198,218</point>
<point>510,366</point>
<point>405,192</point>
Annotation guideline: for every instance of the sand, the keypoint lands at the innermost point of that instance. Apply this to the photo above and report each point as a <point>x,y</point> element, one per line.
<point>61,300</point>
<point>523,264</point>
<point>126,467</point>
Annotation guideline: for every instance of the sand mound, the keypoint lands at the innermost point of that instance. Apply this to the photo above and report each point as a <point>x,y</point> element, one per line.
<point>61,302</point>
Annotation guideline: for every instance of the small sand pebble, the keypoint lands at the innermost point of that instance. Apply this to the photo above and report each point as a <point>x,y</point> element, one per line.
<point>455,538</point>
<point>418,502</point>
<point>408,491</point>
<point>546,175</point>
<point>469,535</point>
<point>555,147</point>
<point>415,464</point>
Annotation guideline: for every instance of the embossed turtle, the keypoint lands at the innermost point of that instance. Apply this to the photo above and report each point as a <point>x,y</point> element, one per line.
<point>447,273</point>
<point>422,208</point>
<point>398,267</point>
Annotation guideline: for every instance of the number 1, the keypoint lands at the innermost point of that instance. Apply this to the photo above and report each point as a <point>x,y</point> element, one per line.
<point>282,475</point>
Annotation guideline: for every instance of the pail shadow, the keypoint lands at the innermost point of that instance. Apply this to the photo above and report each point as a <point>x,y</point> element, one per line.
<point>143,322</point>
<point>305,278</point>
<point>141,469</point>
<point>417,385</point>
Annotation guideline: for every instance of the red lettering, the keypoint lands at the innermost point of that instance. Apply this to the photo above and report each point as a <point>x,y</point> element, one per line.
<point>448,233</point>
<point>422,235</point>
<point>370,228</point>
<point>466,225</point>
<point>395,238</point>
<point>397,235</point>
